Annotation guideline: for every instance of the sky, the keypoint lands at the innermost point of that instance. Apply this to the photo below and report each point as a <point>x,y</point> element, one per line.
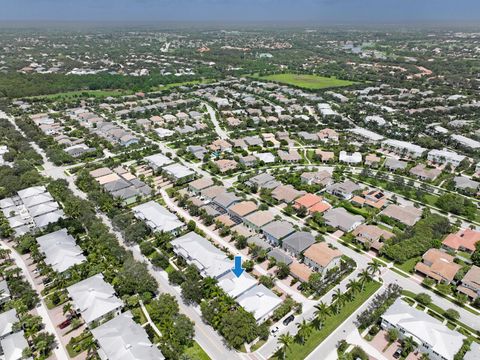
<point>225,11</point>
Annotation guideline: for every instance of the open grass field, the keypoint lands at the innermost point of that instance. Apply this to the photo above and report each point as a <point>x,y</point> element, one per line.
<point>184,83</point>
<point>312,82</point>
<point>297,351</point>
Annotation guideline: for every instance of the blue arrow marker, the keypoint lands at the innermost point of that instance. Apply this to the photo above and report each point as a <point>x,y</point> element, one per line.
<point>238,270</point>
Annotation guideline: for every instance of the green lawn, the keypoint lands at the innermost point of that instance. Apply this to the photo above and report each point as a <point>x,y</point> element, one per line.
<point>313,82</point>
<point>409,265</point>
<point>298,351</point>
<point>195,352</point>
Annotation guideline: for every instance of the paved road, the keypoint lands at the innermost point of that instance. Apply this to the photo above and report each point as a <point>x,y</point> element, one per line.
<point>59,351</point>
<point>222,134</point>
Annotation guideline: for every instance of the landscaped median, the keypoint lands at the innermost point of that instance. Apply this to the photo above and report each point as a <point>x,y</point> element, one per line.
<point>298,351</point>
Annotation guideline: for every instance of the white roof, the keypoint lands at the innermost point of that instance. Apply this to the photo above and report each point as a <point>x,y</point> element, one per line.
<point>4,290</point>
<point>48,218</point>
<point>157,217</point>
<point>38,199</point>
<point>198,251</point>
<point>94,298</point>
<point>31,191</point>
<point>260,301</point>
<point>398,144</point>
<point>425,328</point>
<point>367,134</point>
<point>43,208</point>
<point>448,155</point>
<point>13,346</point>
<point>123,339</point>
<point>466,141</point>
<point>178,171</point>
<point>354,158</point>
<point>236,286</point>
<point>159,160</point>
<point>61,251</point>
<point>266,157</point>
<point>7,319</point>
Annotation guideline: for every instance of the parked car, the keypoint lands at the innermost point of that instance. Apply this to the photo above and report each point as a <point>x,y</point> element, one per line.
<point>274,330</point>
<point>64,324</point>
<point>398,353</point>
<point>288,320</point>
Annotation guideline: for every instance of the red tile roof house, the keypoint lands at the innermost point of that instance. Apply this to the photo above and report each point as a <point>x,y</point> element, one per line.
<point>308,200</point>
<point>438,265</point>
<point>464,240</point>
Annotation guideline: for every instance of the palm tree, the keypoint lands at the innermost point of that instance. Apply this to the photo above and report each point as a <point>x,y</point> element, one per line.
<point>304,331</point>
<point>354,286</point>
<point>286,340</point>
<point>321,312</point>
<point>408,345</point>
<point>338,300</point>
<point>364,277</point>
<point>374,268</point>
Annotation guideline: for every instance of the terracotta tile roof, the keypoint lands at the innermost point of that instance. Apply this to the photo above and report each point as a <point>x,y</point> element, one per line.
<point>322,254</point>
<point>225,220</point>
<point>243,208</point>
<point>307,200</point>
<point>438,265</point>
<point>466,239</point>
<point>320,207</point>
<point>300,271</point>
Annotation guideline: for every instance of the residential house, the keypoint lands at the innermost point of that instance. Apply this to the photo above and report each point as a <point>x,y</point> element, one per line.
<point>404,148</point>
<point>321,258</point>
<point>341,219</point>
<point>438,265</point>
<point>197,151</point>
<point>408,215</point>
<point>225,200</point>
<point>258,219</point>
<point>425,173</point>
<point>371,236</point>
<point>291,156</point>
<point>94,299</point>
<point>260,301</point>
<point>300,271</point>
<point>307,201</point>
<point>466,184</point>
<point>325,156</point>
<point>60,250</point>
<point>277,230</point>
<point>328,135</point>
<point>393,164</point>
<point>470,284</point>
<point>236,286</point>
<point>198,185</point>
<point>225,165</point>
<point>344,189</point>
<point>5,294</point>
<point>445,157</point>
<point>123,338</point>
<point>248,160</point>
<point>372,160</point>
<point>198,251</point>
<point>241,209</point>
<point>157,218</point>
<point>350,158</point>
<point>431,335</point>
<point>297,242</point>
<point>178,173</point>
<point>7,320</point>
<point>280,256</point>
<point>463,240</point>
<point>13,346</point>
<point>263,181</point>
<point>286,193</point>
<point>322,177</point>
<point>158,161</point>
